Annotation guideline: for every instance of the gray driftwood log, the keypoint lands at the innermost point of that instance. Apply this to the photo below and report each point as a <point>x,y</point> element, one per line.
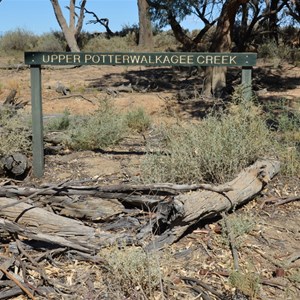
<point>173,217</point>
<point>191,208</point>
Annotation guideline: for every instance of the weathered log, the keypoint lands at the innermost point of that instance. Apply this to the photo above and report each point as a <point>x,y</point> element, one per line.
<point>14,165</point>
<point>174,216</point>
<point>148,189</point>
<point>191,208</point>
<point>85,208</point>
<point>39,224</point>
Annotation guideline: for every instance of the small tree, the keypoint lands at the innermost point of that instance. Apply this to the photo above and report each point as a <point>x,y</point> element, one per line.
<point>71,31</point>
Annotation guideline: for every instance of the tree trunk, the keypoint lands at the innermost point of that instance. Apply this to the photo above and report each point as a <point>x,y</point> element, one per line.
<point>145,32</point>
<point>70,32</point>
<point>273,19</point>
<point>215,77</point>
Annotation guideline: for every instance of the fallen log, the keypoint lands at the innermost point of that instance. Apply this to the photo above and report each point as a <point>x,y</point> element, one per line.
<point>38,224</point>
<point>191,208</point>
<point>174,214</point>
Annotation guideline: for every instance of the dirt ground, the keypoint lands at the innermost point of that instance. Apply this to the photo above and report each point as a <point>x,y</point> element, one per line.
<point>271,249</point>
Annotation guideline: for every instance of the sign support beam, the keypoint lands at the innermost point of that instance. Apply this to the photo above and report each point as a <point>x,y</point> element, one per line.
<point>37,121</point>
<point>247,82</point>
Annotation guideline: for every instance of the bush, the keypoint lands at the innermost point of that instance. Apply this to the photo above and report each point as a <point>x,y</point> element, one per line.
<point>214,150</point>
<point>131,272</point>
<point>58,124</point>
<point>137,120</point>
<point>48,42</point>
<point>14,133</point>
<point>270,50</point>
<point>285,125</point>
<point>18,40</point>
<point>165,41</point>
<point>114,44</point>
<point>102,129</point>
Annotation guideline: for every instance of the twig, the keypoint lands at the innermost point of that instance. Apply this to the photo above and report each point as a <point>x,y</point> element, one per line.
<point>74,95</point>
<point>287,200</point>
<point>231,239</point>
<point>279,201</point>
<point>203,285</point>
<point>18,283</point>
<point>270,259</point>
<point>36,193</point>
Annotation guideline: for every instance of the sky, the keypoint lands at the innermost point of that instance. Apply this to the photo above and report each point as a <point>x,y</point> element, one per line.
<point>37,16</point>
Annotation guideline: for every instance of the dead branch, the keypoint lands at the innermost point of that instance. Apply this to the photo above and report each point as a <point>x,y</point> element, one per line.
<point>232,244</point>
<point>66,188</point>
<point>103,21</point>
<point>18,283</point>
<point>174,213</point>
<point>191,208</point>
<point>74,96</point>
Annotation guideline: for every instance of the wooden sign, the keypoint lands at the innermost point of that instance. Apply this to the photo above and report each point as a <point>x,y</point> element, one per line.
<point>36,59</point>
<point>145,59</point>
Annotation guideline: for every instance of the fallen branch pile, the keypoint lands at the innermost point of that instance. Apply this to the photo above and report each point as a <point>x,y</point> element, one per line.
<point>82,219</point>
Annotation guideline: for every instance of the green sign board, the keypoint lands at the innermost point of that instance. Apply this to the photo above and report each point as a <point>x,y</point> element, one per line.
<point>145,59</point>
<point>36,59</point>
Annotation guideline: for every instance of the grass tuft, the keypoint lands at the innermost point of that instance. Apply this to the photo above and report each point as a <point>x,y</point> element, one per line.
<point>131,272</point>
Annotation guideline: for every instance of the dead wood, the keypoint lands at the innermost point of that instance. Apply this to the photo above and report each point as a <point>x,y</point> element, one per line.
<point>14,165</point>
<point>11,98</point>
<point>175,212</point>
<point>114,91</point>
<point>65,96</point>
<point>148,189</point>
<point>191,208</point>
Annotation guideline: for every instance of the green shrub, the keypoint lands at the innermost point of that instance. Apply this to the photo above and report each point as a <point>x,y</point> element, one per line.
<point>102,129</point>
<point>131,272</point>
<point>271,50</point>
<point>18,40</point>
<point>49,42</point>
<point>214,150</point>
<point>137,120</point>
<point>114,44</point>
<point>285,125</point>
<point>165,41</point>
<point>14,133</point>
<point>60,123</point>
<point>247,283</point>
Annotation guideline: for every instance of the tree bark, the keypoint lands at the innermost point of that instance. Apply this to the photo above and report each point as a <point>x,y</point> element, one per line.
<point>215,77</point>
<point>70,32</point>
<point>145,31</point>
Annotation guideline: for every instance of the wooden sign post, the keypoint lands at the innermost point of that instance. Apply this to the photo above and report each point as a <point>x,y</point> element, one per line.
<point>188,59</point>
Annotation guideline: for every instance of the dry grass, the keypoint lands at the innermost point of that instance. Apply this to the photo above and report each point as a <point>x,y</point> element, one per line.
<point>214,150</point>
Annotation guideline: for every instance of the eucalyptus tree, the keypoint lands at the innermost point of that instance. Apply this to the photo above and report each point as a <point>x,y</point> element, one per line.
<point>173,12</point>
<point>209,12</point>
<point>145,25</point>
<point>72,29</point>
